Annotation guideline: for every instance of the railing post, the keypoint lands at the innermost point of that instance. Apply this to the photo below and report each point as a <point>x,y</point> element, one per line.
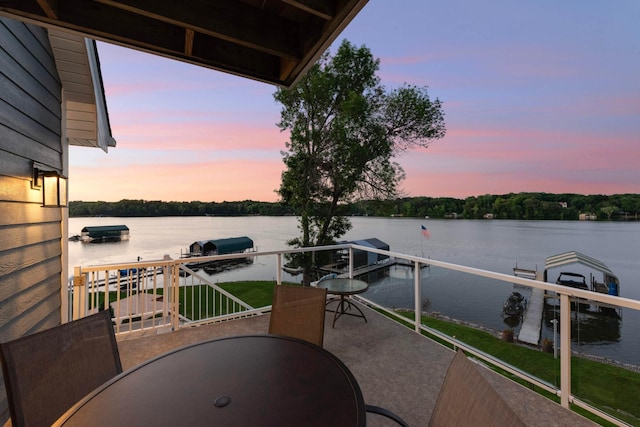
<point>565,350</point>
<point>166,286</point>
<point>418,296</point>
<point>175,296</point>
<point>350,262</point>
<point>79,294</point>
<point>279,269</point>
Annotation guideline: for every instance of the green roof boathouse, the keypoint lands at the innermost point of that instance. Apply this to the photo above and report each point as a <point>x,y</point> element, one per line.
<point>230,245</point>
<point>104,233</point>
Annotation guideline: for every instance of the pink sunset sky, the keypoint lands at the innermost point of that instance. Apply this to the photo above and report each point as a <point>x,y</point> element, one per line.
<point>538,96</point>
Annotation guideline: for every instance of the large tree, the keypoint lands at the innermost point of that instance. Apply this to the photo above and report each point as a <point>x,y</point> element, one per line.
<point>345,129</point>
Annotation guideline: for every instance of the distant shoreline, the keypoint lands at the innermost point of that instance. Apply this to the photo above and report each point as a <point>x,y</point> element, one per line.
<point>520,206</point>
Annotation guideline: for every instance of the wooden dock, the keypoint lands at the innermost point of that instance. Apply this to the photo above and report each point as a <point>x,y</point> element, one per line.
<point>532,321</point>
<point>341,272</point>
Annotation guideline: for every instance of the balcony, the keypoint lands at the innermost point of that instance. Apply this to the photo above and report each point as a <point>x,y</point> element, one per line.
<point>396,366</point>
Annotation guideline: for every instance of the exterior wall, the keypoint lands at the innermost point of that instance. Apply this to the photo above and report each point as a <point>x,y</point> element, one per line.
<point>30,235</point>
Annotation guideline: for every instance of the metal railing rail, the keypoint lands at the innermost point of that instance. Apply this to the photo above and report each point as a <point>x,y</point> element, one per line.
<point>88,280</point>
<point>217,301</point>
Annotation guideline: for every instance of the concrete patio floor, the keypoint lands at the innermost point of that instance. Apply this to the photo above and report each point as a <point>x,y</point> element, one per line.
<point>395,367</point>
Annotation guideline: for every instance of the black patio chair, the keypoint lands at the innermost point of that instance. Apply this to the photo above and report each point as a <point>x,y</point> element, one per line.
<point>48,372</point>
<point>386,413</point>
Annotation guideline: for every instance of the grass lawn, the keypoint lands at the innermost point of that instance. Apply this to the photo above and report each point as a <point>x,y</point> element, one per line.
<point>198,301</point>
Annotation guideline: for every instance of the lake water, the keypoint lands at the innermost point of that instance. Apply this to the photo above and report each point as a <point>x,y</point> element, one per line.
<point>493,245</point>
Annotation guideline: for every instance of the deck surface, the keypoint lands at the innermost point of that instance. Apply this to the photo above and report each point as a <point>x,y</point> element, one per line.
<point>395,367</point>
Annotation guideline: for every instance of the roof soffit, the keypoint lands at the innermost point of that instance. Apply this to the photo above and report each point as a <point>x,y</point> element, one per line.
<point>87,121</point>
<point>274,41</point>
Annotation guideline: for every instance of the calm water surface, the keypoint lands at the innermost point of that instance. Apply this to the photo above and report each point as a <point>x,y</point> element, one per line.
<point>493,245</point>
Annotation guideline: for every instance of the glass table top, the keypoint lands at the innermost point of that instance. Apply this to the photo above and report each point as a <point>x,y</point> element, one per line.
<point>343,286</point>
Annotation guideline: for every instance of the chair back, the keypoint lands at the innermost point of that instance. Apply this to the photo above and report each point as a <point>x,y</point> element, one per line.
<point>298,311</point>
<point>466,398</point>
<point>48,372</point>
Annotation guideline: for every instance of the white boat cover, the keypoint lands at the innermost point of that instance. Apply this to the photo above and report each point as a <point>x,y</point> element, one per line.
<point>574,257</point>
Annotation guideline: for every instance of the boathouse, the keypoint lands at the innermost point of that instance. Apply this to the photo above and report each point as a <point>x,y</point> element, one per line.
<point>220,246</point>
<point>364,258</point>
<point>105,233</point>
<point>610,283</point>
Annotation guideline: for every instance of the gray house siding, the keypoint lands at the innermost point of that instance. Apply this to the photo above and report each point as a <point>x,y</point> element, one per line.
<point>30,235</point>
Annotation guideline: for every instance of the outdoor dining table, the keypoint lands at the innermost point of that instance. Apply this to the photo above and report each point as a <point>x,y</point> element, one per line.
<point>251,380</point>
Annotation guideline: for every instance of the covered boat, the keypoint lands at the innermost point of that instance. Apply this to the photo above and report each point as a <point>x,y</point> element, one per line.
<point>574,277</point>
<point>609,284</point>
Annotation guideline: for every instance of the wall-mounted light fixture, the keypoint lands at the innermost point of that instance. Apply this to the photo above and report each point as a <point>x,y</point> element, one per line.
<point>52,184</point>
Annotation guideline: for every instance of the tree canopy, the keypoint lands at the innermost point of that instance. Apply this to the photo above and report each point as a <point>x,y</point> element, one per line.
<point>345,130</point>
<point>527,206</point>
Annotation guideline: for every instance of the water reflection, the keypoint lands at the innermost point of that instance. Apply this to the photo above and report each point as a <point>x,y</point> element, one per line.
<point>511,321</point>
<point>587,326</point>
<point>478,300</point>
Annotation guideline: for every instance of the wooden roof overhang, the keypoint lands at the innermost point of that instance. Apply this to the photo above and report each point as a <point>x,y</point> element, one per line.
<point>273,41</point>
<point>86,115</point>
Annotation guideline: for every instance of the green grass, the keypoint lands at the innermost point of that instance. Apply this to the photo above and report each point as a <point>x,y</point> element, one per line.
<point>255,293</point>
<point>197,302</point>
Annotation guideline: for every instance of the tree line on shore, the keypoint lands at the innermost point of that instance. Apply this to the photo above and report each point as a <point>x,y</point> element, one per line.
<point>530,206</point>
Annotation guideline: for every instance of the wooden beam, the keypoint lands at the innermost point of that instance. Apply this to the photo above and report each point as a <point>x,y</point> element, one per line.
<point>286,67</point>
<point>319,8</point>
<point>234,22</point>
<point>318,38</point>
<point>50,8</point>
<point>236,59</point>
<point>188,41</point>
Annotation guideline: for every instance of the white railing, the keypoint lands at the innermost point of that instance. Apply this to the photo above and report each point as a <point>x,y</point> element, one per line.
<point>151,296</point>
<point>138,308</point>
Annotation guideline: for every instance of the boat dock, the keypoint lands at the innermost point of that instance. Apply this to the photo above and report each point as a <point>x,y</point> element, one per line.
<point>532,321</point>
<point>341,270</point>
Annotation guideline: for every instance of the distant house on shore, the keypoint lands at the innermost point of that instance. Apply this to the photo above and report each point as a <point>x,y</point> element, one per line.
<point>588,217</point>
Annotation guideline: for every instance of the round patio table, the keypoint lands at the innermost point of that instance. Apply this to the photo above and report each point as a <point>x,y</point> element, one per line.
<point>251,380</point>
<point>344,287</point>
